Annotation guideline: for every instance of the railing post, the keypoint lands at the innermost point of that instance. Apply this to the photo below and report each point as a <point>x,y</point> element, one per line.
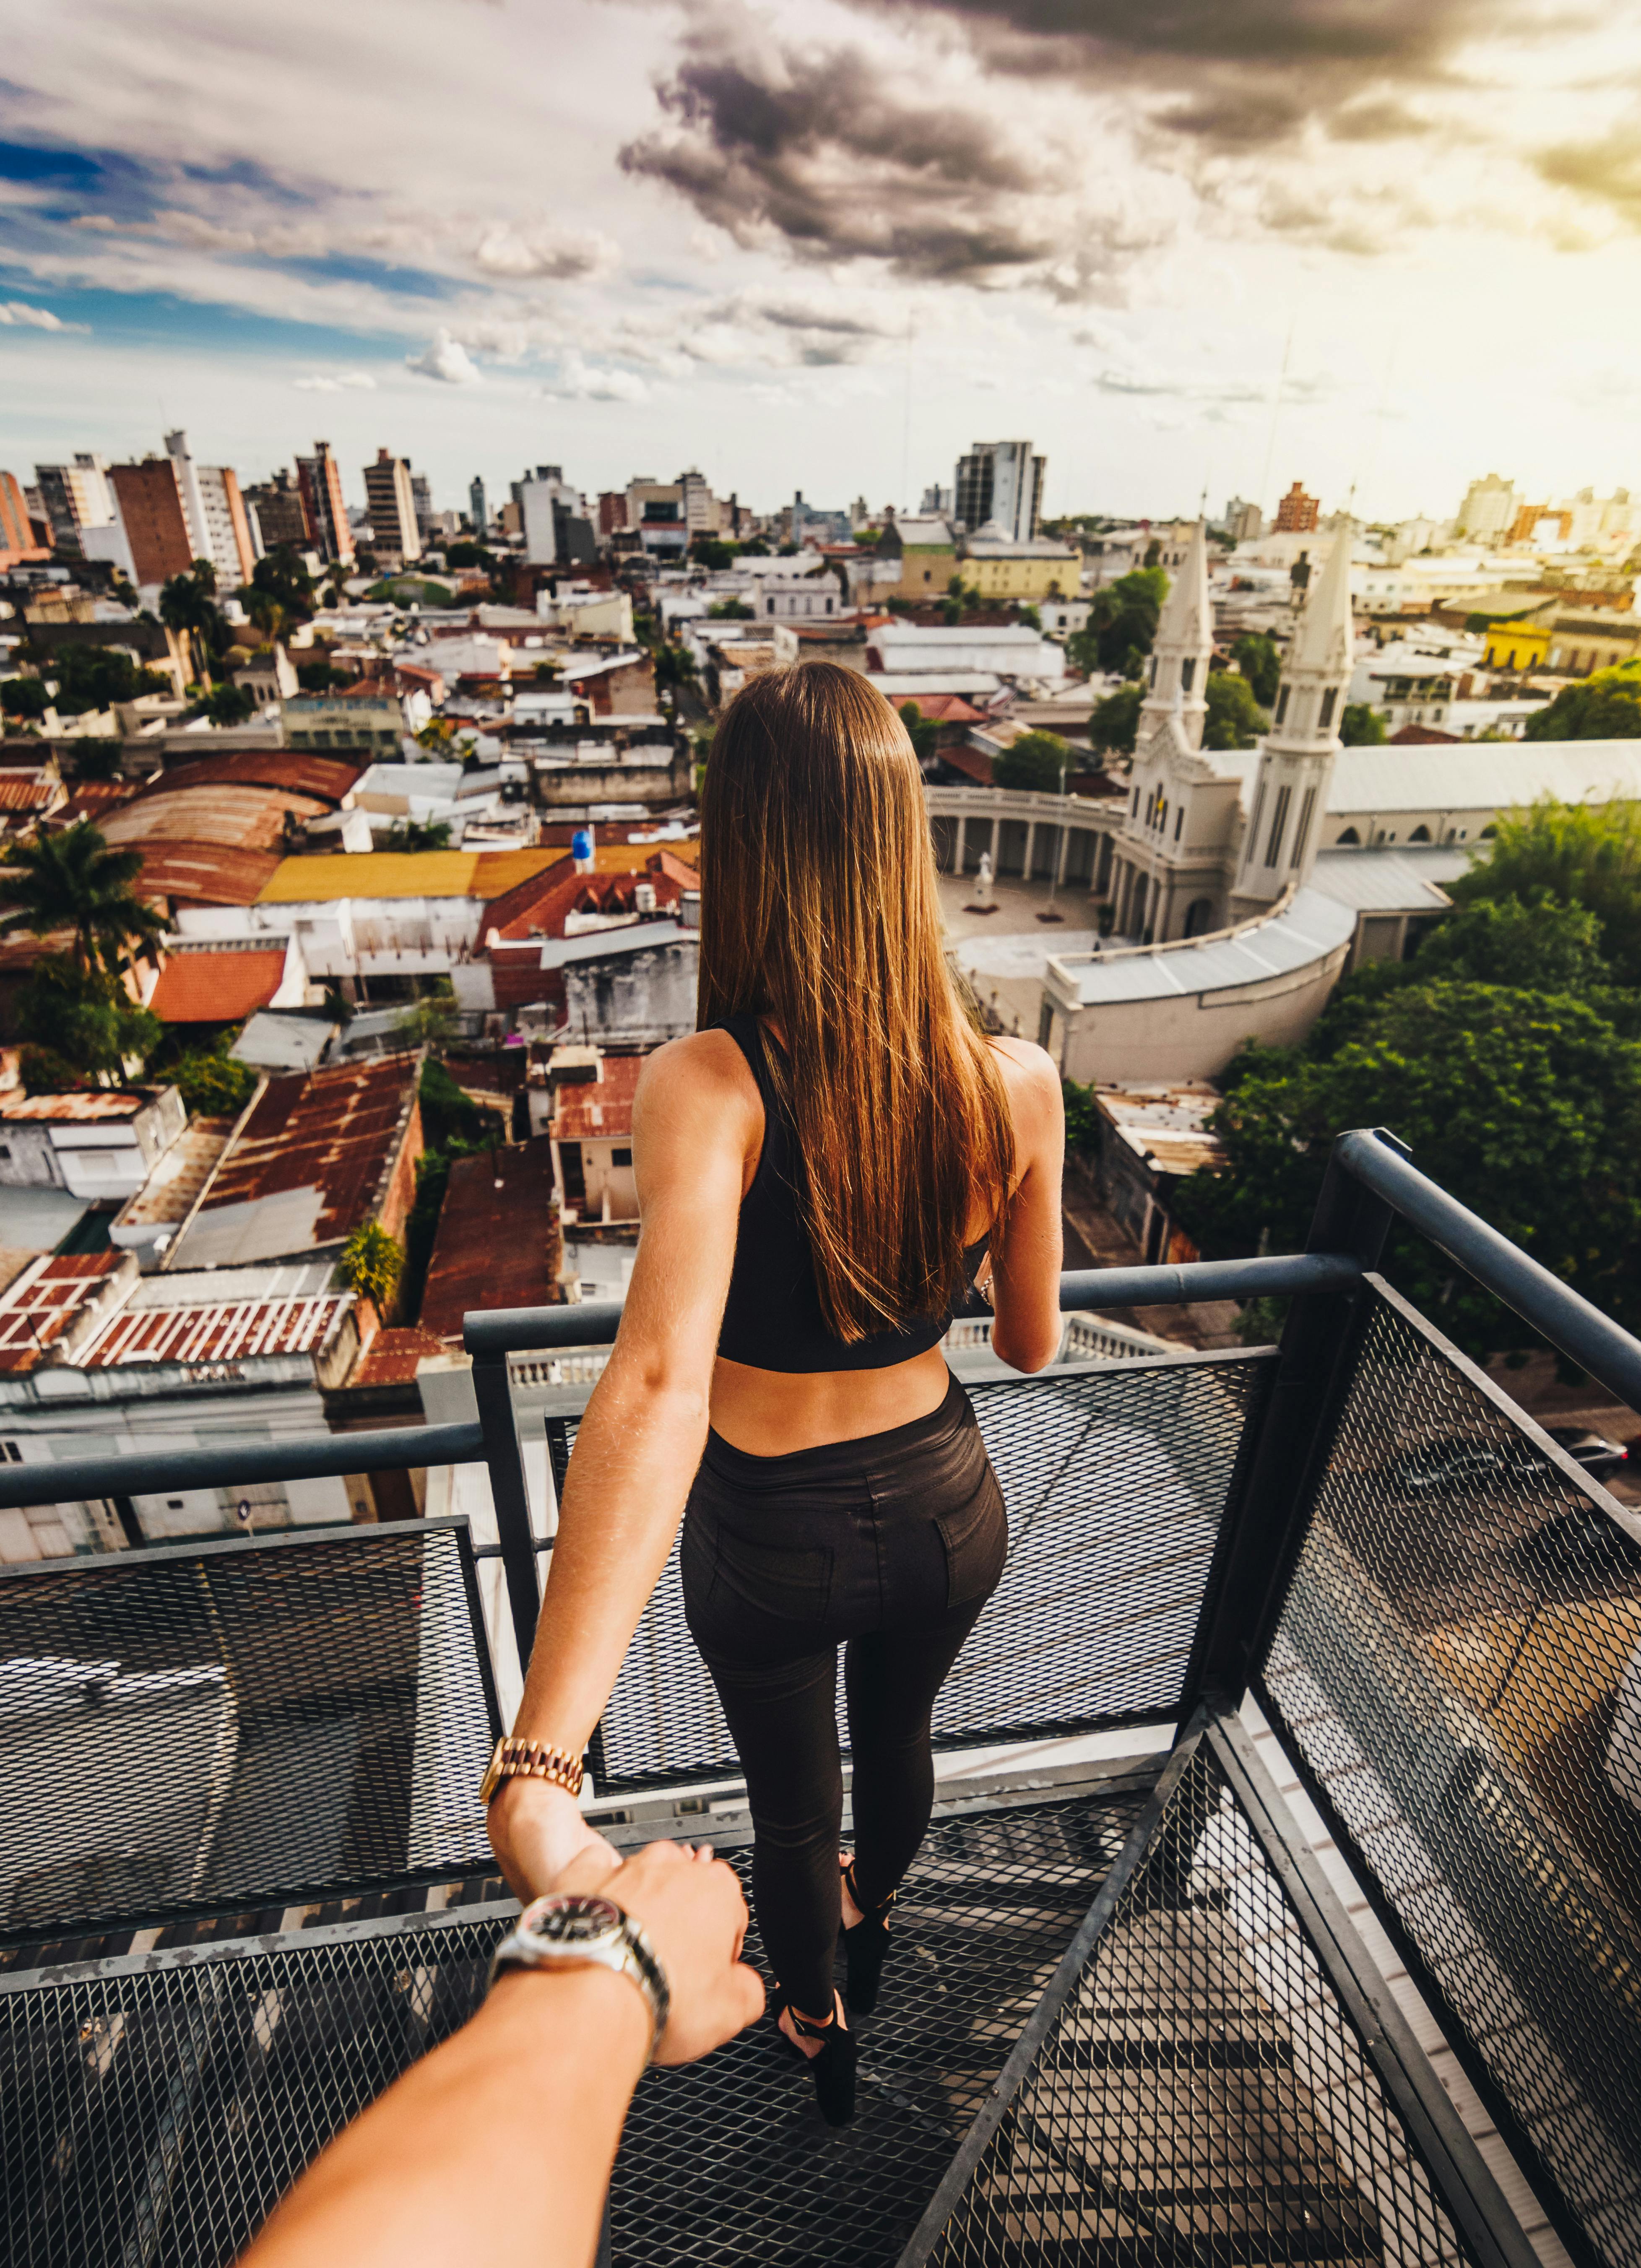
<point>504,1454</point>
<point>1265,1522</point>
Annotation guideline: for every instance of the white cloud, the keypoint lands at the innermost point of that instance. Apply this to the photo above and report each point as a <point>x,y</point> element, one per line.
<point>34,319</point>
<point>554,254</point>
<point>345,381</point>
<point>446,360</point>
<point>578,380</point>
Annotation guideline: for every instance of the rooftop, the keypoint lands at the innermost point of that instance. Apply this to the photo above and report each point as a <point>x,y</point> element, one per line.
<point>220,1315</point>
<point>1166,1126</point>
<point>86,1107</point>
<point>308,1165</point>
<point>204,873</point>
<point>1310,926</point>
<point>1391,881</point>
<point>218,987</point>
<point>47,1305</point>
<point>499,1236</point>
<point>238,817</point>
<point>335,875</point>
<point>167,1196</point>
<point>598,1109</point>
<point>289,770</point>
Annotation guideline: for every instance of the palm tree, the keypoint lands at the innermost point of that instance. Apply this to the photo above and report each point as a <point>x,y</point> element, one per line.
<point>72,881</point>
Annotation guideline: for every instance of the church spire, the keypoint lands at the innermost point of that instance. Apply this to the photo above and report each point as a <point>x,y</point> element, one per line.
<point>1181,650</point>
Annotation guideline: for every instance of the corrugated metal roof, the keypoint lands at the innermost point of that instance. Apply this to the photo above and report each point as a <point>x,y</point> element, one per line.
<point>600,1109</point>
<point>91,1108</point>
<point>1166,1126</point>
<point>498,1239</point>
<point>205,873</point>
<point>1476,776</point>
<point>215,1330</point>
<point>217,988</point>
<point>168,1193</point>
<point>332,875</point>
<point>238,817</point>
<point>1389,881</point>
<point>1313,926</point>
<point>599,944</point>
<point>291,770</point>
<point>41,1303</point>
<point>281,1039</point>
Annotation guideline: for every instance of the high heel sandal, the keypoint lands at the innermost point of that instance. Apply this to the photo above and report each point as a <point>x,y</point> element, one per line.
<point>864,1945</point>
<point>833,2068</point>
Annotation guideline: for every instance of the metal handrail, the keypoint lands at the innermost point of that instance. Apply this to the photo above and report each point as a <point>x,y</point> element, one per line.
<point>305,1457</point>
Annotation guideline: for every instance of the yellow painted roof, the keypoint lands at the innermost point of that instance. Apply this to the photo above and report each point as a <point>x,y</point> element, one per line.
<point>501,871</point>
<point>372,874</point>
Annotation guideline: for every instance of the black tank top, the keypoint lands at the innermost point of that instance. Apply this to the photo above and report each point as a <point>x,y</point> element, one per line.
<point>773,1318</point>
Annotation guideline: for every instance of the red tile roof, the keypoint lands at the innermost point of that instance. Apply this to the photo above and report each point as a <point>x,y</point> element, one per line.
<point>218,1330</point>
<point>1421,736</point>
<point>947,708</point>
<point>496,1248</point>
<point>332,1130</point>
<point>39,1305</point>
<point>217,988</point>
<point>25,794</point>
<point>600,1109</point>
<point>94,800</point>
<point>393,1357</point>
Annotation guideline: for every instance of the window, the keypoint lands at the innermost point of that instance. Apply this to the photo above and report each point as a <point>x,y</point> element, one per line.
<point>1179,821</point>
<point>1152,674</point>
<point>1161,818</point>
<point>1282,703</point>
<point>620,1157</point>
<point>1349,840</point>
<point>1279,825</point>
<point>1253,829</point>
<point>11,1453</point>
<point>4,1152</point>
<point>1133,805</point>
<point>1151,806</point>
<point>1329,700</point>
<point>1302,834</point>
<point>1420,833</point>
<point>1187,672</point>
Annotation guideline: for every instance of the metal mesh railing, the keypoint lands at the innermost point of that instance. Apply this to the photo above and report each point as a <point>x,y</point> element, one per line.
<point>1201,2095</point>
<point>1458,1668</point>
<point>1117,1481</point>
<point>237,1723</point>
<point>157,2105</point>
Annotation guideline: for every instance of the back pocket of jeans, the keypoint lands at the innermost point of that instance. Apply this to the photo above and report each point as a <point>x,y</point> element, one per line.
<point>792,1581</point>
<point>976,1536</point>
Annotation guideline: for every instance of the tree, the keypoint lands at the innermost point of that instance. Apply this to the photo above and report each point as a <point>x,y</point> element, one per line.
<point>320,676</point>
<point>757,549</point>
<point>1361,726</point>
<point>96,759</point>
<point>1121,623</point>
<point>1115,721</point>
<point>84,1018</point>
<point>730,610</point>
<point>72,881</point>
<point>1606,706</point>
<point>1235,720</point>
<point>1525,1104</point>
<point>1578,854</point>
<point>371,1264</point>
<point>428,1022</point>
<point>707,551</point>
<point>24,696</point>
<point>1257,656</point>
<point>1036,760</point>
<point>1032,619</point>
<point>212,1082</point>
<point>90,677</point>
<point>418,834</point>
<point>227,704</point>
<point>923,732</point>
<point>470,555</point>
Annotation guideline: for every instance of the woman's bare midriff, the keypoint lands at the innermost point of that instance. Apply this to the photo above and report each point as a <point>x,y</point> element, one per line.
<point>772,1413</point>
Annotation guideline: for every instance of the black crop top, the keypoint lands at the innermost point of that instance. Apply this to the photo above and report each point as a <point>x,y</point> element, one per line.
<point>773,1318</point>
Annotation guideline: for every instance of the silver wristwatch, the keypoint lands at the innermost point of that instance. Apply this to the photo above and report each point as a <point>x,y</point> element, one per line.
<point>559,1932</point>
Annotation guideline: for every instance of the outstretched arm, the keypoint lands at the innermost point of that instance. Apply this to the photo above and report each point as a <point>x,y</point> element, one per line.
<point>694,1124</point>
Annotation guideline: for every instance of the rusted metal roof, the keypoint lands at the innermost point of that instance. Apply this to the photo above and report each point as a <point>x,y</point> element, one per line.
<point>498,1242</point>
<point>217,988</point>
<point>1166,1127</point>
<point>328,1136</point>
<point>97,1106</point>
<point>206,873</point>
<point>291,771</point>
<point>223,1330</point>
<point>239,817</point>
<point>167,1196</point>
<point>599,1109</point>
<point>26,794</point>
<point>392,1358</point>
<point>40,1307</point>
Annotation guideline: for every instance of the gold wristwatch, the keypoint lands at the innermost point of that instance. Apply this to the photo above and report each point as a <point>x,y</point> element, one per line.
<point>515,1759</point>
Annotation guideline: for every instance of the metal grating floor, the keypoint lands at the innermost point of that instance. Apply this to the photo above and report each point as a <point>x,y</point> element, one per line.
<point>156,2107</point>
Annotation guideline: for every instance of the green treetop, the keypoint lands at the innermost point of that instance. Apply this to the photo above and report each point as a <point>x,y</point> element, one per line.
<point>1587,854</point>
<point>1604,706</point>
<point>71,881</point>
<point>1036,760</point>
<point>1257,658</point>
<point>1234,719</point>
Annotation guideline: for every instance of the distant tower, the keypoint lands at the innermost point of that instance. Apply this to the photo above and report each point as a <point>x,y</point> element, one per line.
<point>475,506</point>
<point>1290,786</point>
<point>1177,676</point>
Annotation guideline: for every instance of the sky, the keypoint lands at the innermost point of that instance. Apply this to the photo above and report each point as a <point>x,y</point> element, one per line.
<point>1383,246</point>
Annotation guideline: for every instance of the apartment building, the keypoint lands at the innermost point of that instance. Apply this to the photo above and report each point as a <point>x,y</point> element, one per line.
<point>156,524</point>
<point>319,478</point>
<point>391,504</point>
<point>1001,482</point>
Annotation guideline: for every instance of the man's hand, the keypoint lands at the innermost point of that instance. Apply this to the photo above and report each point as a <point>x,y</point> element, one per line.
<point>536,1830</point>
<point>691,1905</point>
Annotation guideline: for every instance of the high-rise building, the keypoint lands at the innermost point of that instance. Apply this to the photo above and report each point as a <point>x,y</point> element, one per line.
<point>1490,507</point>
<point>277,513</point>
<point>475,507</point>
<point>391,505</point>
<point>422,498</point>
<point>612,513</point>
<point>157,537</point>
<point>1244,522</point>
<point>76,496</point>
<point>214,513</point>
<point>320,479</point>
<point>1296,512</point>
<point>1001,482</point>
<point>556,530</point>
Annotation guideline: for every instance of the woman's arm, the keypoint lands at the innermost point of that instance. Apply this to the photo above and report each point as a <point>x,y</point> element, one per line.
<point>1026,1244</point>
<point>695,1121</point>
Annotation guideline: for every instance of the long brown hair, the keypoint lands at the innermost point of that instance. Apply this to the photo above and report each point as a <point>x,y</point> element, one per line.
<point>819,910</point>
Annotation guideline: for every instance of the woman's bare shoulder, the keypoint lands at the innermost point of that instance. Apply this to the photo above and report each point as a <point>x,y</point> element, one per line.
<point>702,1071</point>
<point>1030,1074</point>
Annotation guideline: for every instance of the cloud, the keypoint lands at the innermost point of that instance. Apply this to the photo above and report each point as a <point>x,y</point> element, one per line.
<point>1607,171</point>
<point>345,381</point>
<point>34,319</point>
<point>446,359</point>
<point>553,255</point>
<point>578,380</point>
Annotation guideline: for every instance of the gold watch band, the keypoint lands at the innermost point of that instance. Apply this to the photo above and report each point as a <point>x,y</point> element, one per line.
<point>515,1759</point>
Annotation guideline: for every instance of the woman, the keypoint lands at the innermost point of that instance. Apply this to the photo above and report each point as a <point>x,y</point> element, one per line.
<point>817,1167</point>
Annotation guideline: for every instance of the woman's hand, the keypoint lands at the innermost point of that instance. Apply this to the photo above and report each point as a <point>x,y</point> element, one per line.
<point>536,1830</point>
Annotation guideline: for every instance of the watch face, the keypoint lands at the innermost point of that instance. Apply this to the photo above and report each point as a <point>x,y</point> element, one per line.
<point>571,1921</point>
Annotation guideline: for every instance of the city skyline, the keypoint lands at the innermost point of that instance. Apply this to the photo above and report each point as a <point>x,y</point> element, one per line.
<point>826,248</point>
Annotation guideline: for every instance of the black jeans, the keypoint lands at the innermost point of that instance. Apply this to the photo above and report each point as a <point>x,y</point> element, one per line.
<point>889,1547</point>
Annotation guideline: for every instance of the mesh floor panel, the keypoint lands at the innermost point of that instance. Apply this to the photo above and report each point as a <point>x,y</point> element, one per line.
<point>1459,1668</point>
<point>1115,1480</point>
<point>242,1723</point>
<point>1201,2096</point>
<point>156,2113</point>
